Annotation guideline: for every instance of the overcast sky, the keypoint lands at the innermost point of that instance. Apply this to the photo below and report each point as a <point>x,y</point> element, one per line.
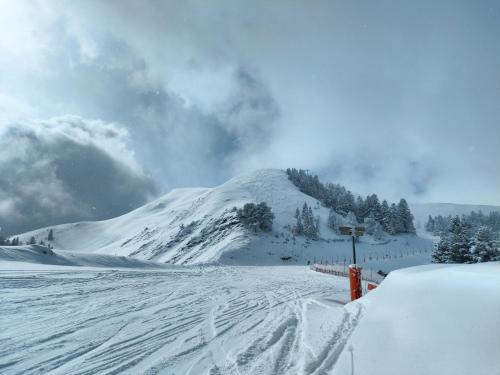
<point>104,105</point>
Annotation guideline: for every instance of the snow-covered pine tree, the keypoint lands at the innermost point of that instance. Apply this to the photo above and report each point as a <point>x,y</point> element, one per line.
<point>314,221</point>
<point>405,217</point>
<point>306,221</point>
<point>359,208</point>
<point>483,247</point>
<point>386,216</point>
<point>265,217</point>
<point>459,242</point>
<point>395,225</point>
<point>377,209</point>
<point>346,203</point>
<point>309,228</point>
<point>442,254</point>
<point>50,237</point>
<point>32,241</point>
<point>371,207</point>
<point>256,216</point>
<point>298,228</point>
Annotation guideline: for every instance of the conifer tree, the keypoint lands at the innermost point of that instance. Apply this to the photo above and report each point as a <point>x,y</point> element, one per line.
<point>386,216</point>
<point>405,217</point>
<point>442,254</point>
<point>359,211</point>
<point>459,242</point>
<point>394,226</point>
<point>483,247</point>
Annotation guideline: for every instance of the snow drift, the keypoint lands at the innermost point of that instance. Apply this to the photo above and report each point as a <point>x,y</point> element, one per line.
<point>435,319</point>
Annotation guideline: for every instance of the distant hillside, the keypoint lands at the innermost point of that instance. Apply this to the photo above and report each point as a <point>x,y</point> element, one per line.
<point>196,225</point>
<point>422,211</point>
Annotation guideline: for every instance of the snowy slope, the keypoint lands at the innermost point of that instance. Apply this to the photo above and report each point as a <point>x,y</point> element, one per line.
<point>41,255</point>
<point>435,319</point>
<point>194,320</point>
<point>211,232</point>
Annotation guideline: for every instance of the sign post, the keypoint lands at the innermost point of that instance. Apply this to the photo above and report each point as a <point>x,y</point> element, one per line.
<point>354,270</point>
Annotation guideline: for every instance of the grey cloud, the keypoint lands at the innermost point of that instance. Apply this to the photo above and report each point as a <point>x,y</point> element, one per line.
<point>394,98</point>
<point>67,169</point>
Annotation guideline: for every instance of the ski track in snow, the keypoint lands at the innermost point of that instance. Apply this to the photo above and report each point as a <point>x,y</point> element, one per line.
<point>206,320</point>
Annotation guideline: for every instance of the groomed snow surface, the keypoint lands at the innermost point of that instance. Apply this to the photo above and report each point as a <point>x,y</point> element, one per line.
<point>189,320</point>
<point>247,320</point>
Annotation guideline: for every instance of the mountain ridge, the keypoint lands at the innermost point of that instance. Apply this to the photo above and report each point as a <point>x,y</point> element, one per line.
<point>199,225</point>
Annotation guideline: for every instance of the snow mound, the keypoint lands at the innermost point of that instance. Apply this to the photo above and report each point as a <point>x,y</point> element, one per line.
<point>436,319</point>
<point>199,225</point>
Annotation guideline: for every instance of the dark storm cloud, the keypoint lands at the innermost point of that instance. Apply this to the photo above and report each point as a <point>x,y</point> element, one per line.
<point>395,98</point>
<point>67,169</point>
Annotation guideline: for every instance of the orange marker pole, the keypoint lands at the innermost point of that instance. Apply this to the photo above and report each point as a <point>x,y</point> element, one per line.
<point>355,281</point>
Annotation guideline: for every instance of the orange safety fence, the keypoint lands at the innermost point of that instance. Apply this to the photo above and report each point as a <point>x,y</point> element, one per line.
<point>343,270</point>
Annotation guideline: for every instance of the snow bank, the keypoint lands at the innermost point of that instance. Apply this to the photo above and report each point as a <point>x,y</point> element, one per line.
<point>429,320</point>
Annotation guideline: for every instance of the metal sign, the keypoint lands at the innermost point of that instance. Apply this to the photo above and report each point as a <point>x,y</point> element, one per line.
<point>349,231</point>
<point>346,231</point>
<point>354,232</point>
<point>359,231</point>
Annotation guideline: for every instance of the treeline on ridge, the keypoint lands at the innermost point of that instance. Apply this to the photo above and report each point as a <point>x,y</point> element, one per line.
<point>392,218</point>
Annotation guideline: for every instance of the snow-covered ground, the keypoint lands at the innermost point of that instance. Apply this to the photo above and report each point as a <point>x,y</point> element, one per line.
<point>199,319</point>
<point>41,255</point>
<point>104,301</point>
<point>184,320</point>
<point>435,319</point>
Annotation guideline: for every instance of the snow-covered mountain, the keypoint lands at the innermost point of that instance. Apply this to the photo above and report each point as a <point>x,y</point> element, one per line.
<point>198,225</point>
